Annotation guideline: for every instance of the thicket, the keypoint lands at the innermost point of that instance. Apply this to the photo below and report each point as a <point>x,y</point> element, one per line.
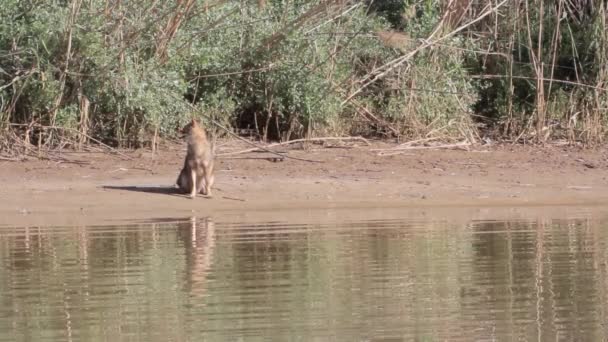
<point>128,72</point>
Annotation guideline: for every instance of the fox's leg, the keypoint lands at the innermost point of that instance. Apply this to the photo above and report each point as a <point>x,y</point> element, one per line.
<point>209,178</point>
<point>200,184</point>
<point>193,184</point>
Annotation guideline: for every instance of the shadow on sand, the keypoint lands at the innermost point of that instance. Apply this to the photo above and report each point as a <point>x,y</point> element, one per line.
<point>165,190</point>
<point>161,189</point>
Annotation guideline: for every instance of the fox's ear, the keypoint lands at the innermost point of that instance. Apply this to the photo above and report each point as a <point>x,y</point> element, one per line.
<point>194,122</point>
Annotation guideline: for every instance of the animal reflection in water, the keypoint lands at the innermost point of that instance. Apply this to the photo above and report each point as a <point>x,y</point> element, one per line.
<point>198,237</point>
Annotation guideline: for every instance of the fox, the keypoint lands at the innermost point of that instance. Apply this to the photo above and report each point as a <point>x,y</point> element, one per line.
<point>197,172</point>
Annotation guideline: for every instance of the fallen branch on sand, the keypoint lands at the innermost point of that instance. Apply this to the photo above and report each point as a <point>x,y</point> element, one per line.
<point>256,149</point>
<point>110,148</point>
<point>412,142</point>
<point>405,144</point>
<point>11,159</point>
<point>231,133</point>
<point>48,155</point>
<point>403,149</point>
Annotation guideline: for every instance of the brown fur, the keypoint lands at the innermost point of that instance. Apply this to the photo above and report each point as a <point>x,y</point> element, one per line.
<point>197,173</point>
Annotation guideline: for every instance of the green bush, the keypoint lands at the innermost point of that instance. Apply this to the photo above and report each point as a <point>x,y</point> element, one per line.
<point>285,69</point>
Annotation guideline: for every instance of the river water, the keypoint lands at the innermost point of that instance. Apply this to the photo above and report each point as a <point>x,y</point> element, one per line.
<point>297,277</point>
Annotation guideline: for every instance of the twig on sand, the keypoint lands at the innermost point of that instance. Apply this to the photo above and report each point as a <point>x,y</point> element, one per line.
<point>398,150</point>
<point>67,161</point>
<point>270,159</point>
<point>255,149</point>
<point>234,199</point>
<point>579,187</point>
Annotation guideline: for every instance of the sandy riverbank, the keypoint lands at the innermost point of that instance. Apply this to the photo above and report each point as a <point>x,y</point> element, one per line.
<point>109,188</point>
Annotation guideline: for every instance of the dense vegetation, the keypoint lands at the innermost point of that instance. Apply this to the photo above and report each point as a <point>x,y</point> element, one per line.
<point>128,72</point>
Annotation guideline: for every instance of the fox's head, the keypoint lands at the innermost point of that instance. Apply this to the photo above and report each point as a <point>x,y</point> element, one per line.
<point>187,129</point>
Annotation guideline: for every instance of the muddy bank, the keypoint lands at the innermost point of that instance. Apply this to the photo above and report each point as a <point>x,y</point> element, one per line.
<point>109,188</point>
